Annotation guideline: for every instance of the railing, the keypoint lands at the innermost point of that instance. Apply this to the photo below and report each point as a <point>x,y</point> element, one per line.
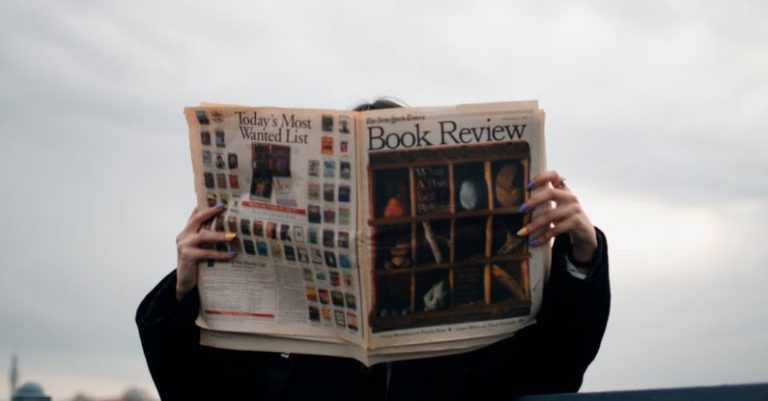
<point>745,392</point>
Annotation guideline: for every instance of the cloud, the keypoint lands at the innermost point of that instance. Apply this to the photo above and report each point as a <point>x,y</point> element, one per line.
<point>688,303</point>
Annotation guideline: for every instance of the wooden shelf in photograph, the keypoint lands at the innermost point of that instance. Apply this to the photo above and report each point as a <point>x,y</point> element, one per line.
<point>501,285</point>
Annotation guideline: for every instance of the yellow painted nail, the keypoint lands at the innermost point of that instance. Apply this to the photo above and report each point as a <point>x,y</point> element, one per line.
<point>230,236</point>
<point>522,232</point>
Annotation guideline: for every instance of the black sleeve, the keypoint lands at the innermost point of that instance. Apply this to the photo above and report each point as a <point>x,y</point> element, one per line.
<point>181,368</point>
<point>572,320</point>
<point>552,355</point>
<point>171,339</point>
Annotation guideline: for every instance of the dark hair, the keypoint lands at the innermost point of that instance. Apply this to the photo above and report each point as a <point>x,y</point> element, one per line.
<point>379,104</point>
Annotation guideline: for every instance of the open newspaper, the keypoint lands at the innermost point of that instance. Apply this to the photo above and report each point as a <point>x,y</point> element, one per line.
<point>378,235</point>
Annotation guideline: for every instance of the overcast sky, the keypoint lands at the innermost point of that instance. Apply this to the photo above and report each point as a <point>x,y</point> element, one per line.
<point>656,113</point>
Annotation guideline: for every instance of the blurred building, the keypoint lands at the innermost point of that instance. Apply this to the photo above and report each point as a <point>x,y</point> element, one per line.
<point>132,394</point>
<point>14,376</point>
<point>30,391</point>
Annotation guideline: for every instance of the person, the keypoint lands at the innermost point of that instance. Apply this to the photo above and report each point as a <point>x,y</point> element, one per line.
<point>550,356</point>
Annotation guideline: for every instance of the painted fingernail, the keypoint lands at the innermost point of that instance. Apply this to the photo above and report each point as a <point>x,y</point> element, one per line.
<point>219,206</point>
<point>231,254</point>
<point>533,242</point>
<point>523,208</point>
<point>531,184</point>
<point>522,232</point>
<point>230,236</point>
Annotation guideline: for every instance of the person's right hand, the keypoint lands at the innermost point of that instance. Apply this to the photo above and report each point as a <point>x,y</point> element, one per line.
<point>190,246</point>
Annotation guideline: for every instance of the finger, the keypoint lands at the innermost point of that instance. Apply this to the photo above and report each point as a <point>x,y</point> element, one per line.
<point>197,254</point>
<point>207,237</point>
<point>559,196</point>
<point>542,179</point>
<point>199,217</point>
<point>562,227</point>
<point>536,234</point>
<point>551,216</point>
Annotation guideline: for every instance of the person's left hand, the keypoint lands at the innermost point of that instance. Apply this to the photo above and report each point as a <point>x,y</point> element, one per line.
<point>566,216</point>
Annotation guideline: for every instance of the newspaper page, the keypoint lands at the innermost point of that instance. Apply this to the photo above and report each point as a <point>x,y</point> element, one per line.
<point>368,357</point>
<point>434,264</point>
<point>288,180</point>
<point>444,186</point>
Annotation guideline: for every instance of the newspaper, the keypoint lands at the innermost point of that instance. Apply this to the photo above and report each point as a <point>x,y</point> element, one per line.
<point>378,235</point>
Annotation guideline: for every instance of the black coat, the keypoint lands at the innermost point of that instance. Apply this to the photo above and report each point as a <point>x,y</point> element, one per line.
<point>549,356</point>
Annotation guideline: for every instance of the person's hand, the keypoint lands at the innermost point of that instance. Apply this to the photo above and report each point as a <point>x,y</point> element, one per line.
<point>191,246</point>
<point>566,216</point>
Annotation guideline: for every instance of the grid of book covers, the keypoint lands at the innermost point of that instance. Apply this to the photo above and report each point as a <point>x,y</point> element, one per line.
<point>287,181</point>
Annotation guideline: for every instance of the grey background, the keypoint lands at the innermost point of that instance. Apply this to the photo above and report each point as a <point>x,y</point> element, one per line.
<point>656,115</point>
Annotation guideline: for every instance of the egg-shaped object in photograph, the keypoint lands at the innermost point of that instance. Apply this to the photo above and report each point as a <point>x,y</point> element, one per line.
<point>507,194</point>
<point>470,194</point>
